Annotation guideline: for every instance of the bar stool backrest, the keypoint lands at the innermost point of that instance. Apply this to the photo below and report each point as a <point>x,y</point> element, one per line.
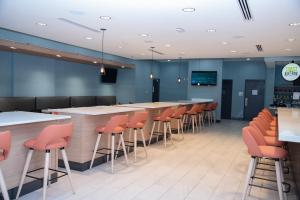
<point>259,125</point>
<point>179,111</point>
<point>195,108</point>
<point>214,105</point>
<point>266,116</point>
<point>138,117</point>
<point>167,113</point>
<point>251,142</point>
<point>53,133</point>
<point>258,134</point>
<point>5,142</point>
<point>262,117</point>
<point>201,107</point>
<point>267,111</point>
<point>116,121</point>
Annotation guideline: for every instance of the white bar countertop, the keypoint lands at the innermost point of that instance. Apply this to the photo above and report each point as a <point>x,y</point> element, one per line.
<point>21,117</point>
<point>196,101</point>
<point>151,105</point>
<point>94,110</point>
<point>289,124</point>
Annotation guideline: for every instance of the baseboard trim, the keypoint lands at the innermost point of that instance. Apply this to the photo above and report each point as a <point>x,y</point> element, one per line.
<point>28,187</point>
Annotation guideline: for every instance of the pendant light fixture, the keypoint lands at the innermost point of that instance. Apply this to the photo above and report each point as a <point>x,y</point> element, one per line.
<point>151,73</point>
<point>102,69</point>
<point>178,77</point>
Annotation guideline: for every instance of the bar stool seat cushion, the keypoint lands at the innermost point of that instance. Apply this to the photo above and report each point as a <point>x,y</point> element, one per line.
<point>32,144</point>
<point>273,152</point>
<point>2,157</point>
<point>117,129</point>
<point>137,125</point>
<point>190,112</point>
<point>273,141</point>
<point>157,118</point>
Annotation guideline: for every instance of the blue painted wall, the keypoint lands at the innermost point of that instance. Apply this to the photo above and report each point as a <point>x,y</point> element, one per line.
<point>212,92</point>
<point>239,71</point>
<point>279,80</point>
<point>6,74</point>
<point>170,89</point>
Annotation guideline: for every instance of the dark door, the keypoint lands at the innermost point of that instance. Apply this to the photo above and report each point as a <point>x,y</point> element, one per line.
<point>226,99</point>
<point>254,98</point>
<point>155,90</point>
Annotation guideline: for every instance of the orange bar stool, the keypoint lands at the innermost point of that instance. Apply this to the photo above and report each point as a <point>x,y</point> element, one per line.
<point>116,125</point>
<point>51,138</point>
<point>201,112</point>
<point>178,116</point>
<point>5,142</point>
<point>164,118</point>
<point>266,126</point>
<point>257,149</point>
<point>210,112</point>
<point>191,117</point>
<point>268,118</point>
<point>137,122</point>
<point>271,118</point>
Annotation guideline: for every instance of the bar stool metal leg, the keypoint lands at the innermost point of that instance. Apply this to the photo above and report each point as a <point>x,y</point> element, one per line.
<point>113,152</point>
<point>158,130</point>
<point>65,158</point>
<point>46,171</point>
<point>279,181</point>
<point>135,143</point>
<point>153,126</point>
<point>144,142</point>
<point>95,149</point>
<point>129,139</point>
<point>27,162</point>
<point>124,148</point>
<point>170,130</point>
<point>165,134</point>
<point>3,186</point>
<point>282,177</point>
<point>248,177</point>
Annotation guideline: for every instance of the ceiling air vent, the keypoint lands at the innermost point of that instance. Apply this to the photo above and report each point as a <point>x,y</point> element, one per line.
<point>77,24</point>
<point>245,9</point>
<point>259,48</point>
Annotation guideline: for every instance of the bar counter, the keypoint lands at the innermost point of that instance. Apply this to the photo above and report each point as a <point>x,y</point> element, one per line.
<point>289,131</point>
<point>24,126</point>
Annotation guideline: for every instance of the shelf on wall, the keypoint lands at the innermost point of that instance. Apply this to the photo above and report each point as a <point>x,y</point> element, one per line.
<point>6,45</point>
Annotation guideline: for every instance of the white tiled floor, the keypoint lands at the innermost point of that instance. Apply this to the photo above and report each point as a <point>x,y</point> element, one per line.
<point>211,164</point>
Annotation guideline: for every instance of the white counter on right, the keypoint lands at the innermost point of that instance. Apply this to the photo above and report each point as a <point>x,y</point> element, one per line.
<point>289,124</point>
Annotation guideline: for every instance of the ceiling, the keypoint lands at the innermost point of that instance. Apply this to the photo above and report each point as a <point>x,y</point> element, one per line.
<point>159,19</point>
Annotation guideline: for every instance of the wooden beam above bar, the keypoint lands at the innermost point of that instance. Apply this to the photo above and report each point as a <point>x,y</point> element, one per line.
<point>26,48</point>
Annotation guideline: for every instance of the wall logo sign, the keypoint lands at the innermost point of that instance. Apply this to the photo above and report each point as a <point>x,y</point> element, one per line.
<point>291,72</point>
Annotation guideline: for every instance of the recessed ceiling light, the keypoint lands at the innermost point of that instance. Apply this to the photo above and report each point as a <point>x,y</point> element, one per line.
<point>144,35</point>
<point>41,24</point>
<point>105,17</point>
<point>58,55</point>
<point>95,62</point>
<point>169,60</point>
<point>233,51</point>
<point>180,30</point>
<point>224,43</point>
<point>122,66</point>
<point>182,53</point>
<point>248,59</point>
<point>120,47</point>
<point>142,54</point>
<point>288,49</point>
<point>295,24</point>
<point>291,39</point>
<point>188,9</point>
<point>88,38</point>
<point>167,45</point>
<point>211,30</point>
<point>13,47</point>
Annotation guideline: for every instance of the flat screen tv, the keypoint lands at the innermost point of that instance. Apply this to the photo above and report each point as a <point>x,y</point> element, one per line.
<point>204,78</point>
<point>110,76</point>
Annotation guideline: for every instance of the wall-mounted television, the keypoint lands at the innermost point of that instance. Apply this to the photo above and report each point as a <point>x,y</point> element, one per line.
<point>204,78</point>
<point>110,76</point>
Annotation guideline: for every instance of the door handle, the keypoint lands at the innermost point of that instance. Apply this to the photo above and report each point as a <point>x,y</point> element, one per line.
<point>246,102</point>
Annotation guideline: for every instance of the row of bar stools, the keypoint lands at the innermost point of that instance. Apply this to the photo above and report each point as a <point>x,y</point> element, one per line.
<point>115,126</point>
<point>5,142</point>
<point>52,137</point>
<point>165,119</point>
<point>258,148</point>
<point>190,117</point>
